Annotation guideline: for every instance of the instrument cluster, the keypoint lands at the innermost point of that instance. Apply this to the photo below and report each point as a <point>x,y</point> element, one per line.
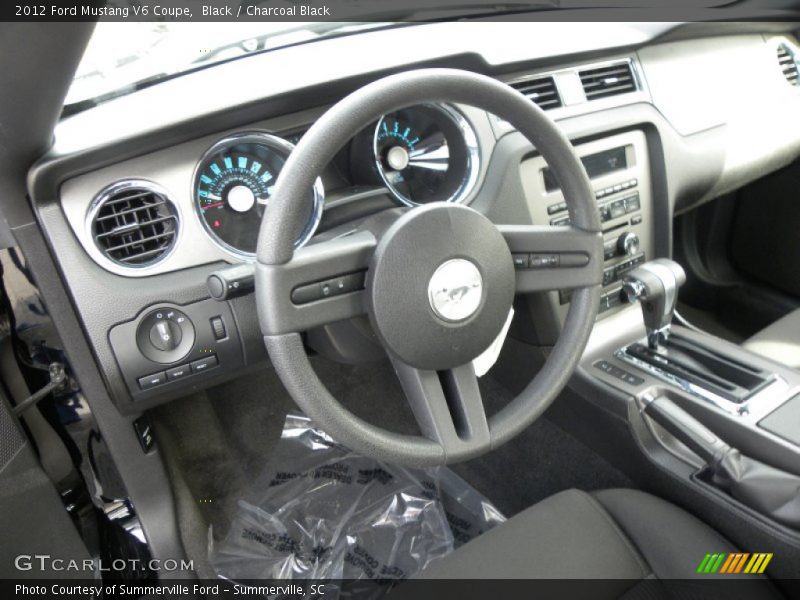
<point>420,154</point>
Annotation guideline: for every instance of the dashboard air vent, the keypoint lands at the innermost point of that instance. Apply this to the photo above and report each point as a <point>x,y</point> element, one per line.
<point>542,91</point>
<point>608,80</point>
<point>788,64</point>
<point>134,223</point>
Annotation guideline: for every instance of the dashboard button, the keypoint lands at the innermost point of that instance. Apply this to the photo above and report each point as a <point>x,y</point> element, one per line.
<point>218,328</point>
<point>632,203</point>
<point>178,372</point>
<point>616,209</point>
<point>150,381</point>
<point>204,364</point>
<point>636,220</point>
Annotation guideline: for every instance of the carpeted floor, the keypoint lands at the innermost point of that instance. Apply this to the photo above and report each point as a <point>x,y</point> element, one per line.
<point>220,440</point>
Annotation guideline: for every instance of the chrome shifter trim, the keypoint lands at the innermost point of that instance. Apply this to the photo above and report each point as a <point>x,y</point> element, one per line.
<point>751,410</point>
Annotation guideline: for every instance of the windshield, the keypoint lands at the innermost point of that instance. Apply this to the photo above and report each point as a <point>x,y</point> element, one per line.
<point>122,57</point>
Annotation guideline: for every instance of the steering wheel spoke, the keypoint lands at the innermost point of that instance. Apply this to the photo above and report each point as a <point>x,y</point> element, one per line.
<point>554,258</point>
<point>447,406</point>
<point>323,283</point>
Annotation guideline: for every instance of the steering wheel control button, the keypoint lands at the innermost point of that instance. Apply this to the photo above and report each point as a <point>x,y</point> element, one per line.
<point>150,381</point>
<point>204,364</point>
<point>455,290</point>
<point>544,261</point>
<point>165,335</point>
<point>343,284</point>
<point>521,261</point>
<point>573,259</point>
<point>550,260</point>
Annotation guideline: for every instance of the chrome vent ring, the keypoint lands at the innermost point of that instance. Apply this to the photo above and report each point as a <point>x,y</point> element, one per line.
<point>133,223</point>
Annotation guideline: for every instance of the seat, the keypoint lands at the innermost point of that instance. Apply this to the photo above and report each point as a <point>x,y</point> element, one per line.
<point>623,535</point>
<point>780,341</point>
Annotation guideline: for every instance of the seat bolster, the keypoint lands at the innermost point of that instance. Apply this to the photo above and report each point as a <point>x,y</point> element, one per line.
<point>672,541</point>
<point>565,536</point>
<point>780,341</point>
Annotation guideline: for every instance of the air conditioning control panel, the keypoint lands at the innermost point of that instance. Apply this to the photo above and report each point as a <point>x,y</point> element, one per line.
<point>619,169</point>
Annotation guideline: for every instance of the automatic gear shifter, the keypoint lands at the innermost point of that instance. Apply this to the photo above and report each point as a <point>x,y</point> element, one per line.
<point>655,284</point>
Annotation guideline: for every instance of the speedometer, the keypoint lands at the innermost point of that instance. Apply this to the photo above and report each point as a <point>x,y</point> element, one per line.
<point>233,186</point>
<point>426,153</point>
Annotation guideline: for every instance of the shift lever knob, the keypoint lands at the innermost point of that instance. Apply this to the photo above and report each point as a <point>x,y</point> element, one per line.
<point>655,284</point>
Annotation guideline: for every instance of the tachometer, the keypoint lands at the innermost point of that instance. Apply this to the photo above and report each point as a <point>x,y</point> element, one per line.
<point>233,185</point>
<point>426,153</point>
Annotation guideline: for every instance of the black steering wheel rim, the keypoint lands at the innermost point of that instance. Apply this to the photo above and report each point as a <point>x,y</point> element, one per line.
<point>276,256</point>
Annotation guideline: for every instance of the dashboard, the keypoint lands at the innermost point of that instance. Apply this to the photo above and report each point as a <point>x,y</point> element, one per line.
<point>139,211</point>
<point>203,201</point>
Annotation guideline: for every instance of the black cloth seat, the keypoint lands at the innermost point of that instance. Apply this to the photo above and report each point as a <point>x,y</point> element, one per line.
<point>612,534</point>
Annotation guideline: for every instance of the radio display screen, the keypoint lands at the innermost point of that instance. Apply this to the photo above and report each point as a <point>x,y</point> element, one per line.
<point>596,165</point>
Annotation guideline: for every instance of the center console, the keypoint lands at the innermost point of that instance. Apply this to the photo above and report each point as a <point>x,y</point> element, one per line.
<point>731,414</point>
<point>619,169</point>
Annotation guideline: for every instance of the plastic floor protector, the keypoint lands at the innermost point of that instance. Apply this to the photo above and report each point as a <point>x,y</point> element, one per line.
<point>324,512</point>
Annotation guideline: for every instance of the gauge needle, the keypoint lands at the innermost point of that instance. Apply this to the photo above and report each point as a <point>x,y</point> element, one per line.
<point>214,205</point>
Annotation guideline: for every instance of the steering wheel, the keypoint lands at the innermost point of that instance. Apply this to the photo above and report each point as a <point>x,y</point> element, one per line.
<point>439,280</point>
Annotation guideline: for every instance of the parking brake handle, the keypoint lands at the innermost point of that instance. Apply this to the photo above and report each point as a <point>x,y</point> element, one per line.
<point>768,490</point>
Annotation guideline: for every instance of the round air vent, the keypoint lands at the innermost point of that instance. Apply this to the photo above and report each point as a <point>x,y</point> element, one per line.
<point>134,223</point>
<point>788,62</point>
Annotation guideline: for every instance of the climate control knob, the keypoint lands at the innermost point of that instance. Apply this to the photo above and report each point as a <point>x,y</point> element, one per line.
<point>628,244</point>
